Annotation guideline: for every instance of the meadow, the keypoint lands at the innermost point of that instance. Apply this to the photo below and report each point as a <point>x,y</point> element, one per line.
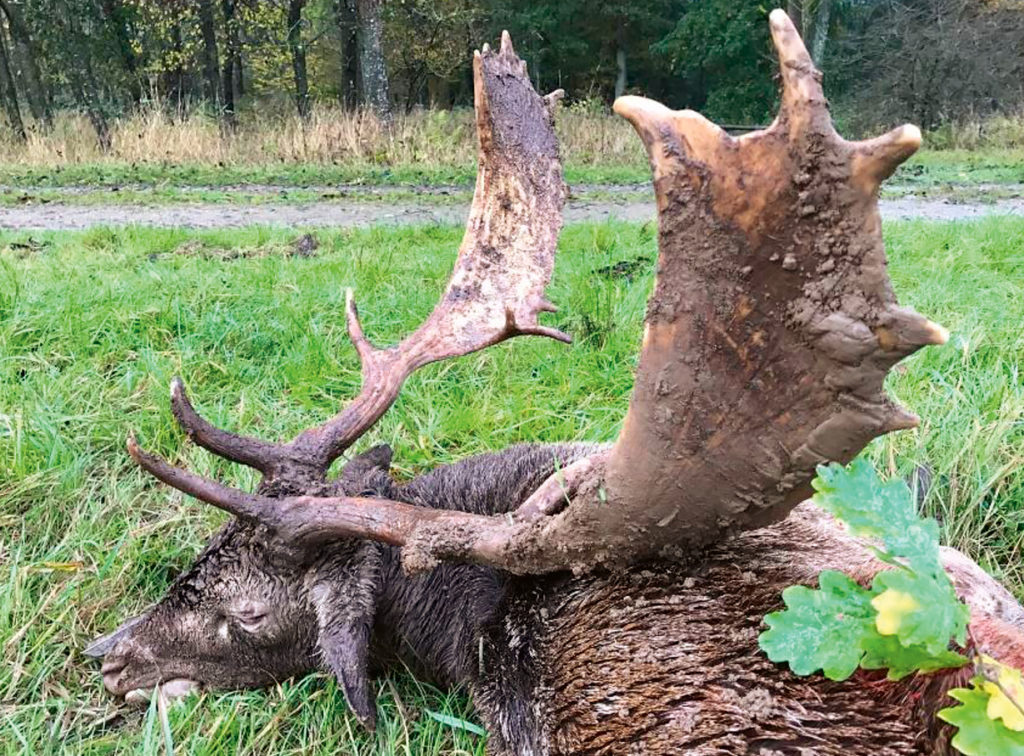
<point>165,151</point>
<point>94,325</point>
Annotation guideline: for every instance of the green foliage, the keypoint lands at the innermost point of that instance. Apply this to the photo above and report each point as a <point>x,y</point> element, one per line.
<point>888,652</point>
<point>820,629</point>
<point>722,48</point>
<point>977,733</point>
<point>886,512</point>
<point>877,510</point>
<point>904,622</point>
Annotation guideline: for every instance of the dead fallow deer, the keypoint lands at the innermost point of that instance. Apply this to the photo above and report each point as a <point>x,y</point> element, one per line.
<point>598,599</point>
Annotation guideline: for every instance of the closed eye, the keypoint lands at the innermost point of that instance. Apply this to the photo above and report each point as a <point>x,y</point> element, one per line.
<point>250,621</point>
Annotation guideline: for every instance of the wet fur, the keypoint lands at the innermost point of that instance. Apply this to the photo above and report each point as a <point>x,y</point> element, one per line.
<point>661,659</point>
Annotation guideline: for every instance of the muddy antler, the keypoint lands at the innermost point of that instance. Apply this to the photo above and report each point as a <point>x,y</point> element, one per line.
<point>768,337</point>
<point>773,322</point>
<point>496,290</point>
<point>769,334</point>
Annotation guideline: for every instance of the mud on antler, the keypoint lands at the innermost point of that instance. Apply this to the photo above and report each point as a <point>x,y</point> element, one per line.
<point>768,337</point>
<point>496,291</point>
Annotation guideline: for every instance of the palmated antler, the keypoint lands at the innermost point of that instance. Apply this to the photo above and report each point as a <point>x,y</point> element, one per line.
<point>496,290</point>
<point>769,334</point>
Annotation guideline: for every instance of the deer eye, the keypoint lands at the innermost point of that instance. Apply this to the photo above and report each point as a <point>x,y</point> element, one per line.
<point>249,615</point>
<point>250,622</point>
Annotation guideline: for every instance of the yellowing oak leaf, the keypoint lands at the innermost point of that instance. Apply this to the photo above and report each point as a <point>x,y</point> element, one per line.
<point>892,606</point>
<point>1006,693</point>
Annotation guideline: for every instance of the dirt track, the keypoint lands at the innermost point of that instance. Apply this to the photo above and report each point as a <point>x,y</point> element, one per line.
<point>354,212</point>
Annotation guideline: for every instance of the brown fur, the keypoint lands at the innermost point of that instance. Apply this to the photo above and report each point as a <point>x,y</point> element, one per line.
<point>661,659</point>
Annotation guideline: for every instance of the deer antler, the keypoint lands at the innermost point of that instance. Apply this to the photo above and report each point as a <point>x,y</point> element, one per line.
<point>496,290</point>
<point>773,322</point>
<point>769,334</point>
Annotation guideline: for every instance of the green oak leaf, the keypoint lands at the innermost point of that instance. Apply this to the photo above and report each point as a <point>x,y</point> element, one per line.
<point>820,629</point>
<point>977,735</point>
<point>885,511</point>
<point>940,614</point>
<point>886,652</point>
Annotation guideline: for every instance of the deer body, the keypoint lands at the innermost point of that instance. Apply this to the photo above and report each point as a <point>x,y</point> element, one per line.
<point>664,659</point>
<point>661,659</point>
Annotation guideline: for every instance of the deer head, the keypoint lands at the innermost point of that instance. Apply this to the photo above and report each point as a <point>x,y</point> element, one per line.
<point>252,611</point>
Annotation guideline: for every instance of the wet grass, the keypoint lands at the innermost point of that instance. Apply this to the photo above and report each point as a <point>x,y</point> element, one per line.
<point>930,169</point>
<point>93,325</point>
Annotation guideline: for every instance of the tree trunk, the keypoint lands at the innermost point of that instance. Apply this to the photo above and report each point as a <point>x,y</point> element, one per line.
<point>26,74</point>
<point>239,73</point>
<point>620,62</point>
<point>83,80</point>
<point>113,13</point>
<point>298,53</point>
<point>231,62</point>
<point>819,37</point>
<point>8,92</point>
<point>795,9</point>
<point>372,67</point>
<point>174,78</point>
<point>26,57</point>
<point>211,63</point>
<point>348,27</point>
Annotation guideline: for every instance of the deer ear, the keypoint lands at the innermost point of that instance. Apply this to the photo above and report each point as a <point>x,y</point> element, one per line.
<point>345,592</point>
<point>101,646</point>
<point>366,472</point>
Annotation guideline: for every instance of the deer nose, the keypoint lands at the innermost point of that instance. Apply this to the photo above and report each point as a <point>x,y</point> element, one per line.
<point>111,671</point>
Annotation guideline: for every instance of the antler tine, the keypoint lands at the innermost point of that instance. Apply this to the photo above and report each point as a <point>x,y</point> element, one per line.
<point>302,520</point>
<point>803,100</point>
<point>875,160</point>
<point>355,329</point>
<point>252,452</point>
<point>668,134</point>
<point>224,497</point>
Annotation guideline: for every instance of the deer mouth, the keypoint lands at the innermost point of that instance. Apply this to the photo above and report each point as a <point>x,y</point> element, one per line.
<point>141,690</point>
<point>170,690</point>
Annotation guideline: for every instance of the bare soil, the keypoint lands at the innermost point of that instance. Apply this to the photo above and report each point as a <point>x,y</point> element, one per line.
<point>352,209</point>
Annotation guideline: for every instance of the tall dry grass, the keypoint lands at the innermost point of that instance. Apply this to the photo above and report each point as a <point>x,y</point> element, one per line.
<point>331,135</point>
<point>590,137</point>
<point>993,132</point>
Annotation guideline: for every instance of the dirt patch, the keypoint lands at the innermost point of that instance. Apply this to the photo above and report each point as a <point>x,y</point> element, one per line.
<point>28,248</point>
<point>343,213</point>
<point>304,246</point>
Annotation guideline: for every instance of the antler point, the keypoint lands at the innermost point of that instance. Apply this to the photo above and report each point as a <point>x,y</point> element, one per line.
<point>937,334</point>
<point>901,419</point>
<point>779,17</point>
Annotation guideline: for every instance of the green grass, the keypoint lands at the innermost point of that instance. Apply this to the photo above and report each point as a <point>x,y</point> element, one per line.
<point>930,168</point>
<point>93,325</point>
<point>285,195</point>
<point>172,195</point>
<point>962,167</point>
<point>115,174</point>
